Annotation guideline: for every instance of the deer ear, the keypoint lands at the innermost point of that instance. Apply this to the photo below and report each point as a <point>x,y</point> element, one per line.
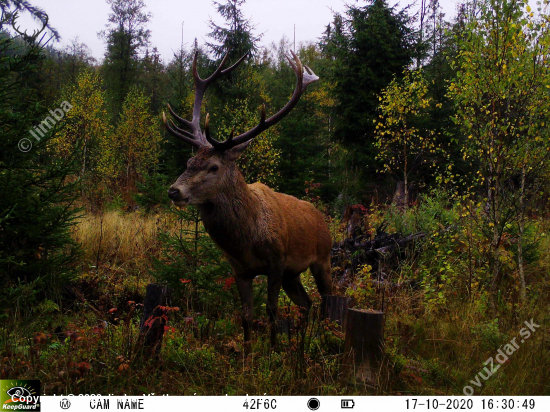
<point>235,152</point>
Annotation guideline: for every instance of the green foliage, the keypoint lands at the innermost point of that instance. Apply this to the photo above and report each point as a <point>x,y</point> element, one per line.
<point>503,47</point>
<point>367,47</point>
<point>403,141</point>
<point>193,266</point>
<point>434,212</point>
<point>115,204</point>
<point>62,68</point>
<point>361,290</point>
<point>489,333</point>
<point>237,36</point>
<point>125,36</point>
<point>259,163</point>
<point>37,208</point>
<point>133,149</point>
<point>85,128</point>
<point>151,193</point>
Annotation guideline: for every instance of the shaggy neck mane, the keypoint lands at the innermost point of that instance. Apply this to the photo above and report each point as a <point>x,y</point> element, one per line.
<point>231,219</point>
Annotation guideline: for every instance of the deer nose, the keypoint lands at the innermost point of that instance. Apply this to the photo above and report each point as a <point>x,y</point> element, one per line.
<point>174,194</point>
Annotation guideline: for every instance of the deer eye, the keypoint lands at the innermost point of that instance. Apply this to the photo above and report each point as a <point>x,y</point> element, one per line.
<point>213,169</point>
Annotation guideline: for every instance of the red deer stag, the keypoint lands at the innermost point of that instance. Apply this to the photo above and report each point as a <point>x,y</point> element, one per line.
<point>260,231</point>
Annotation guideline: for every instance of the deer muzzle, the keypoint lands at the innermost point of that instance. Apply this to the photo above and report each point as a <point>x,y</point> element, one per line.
<point>177,197</point>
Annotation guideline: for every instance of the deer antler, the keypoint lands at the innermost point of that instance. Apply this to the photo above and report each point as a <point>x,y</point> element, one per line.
<point>304,77</point>
<point>196,137</point>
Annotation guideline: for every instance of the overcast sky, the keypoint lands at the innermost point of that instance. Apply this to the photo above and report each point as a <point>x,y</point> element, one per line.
<point>274,18</point>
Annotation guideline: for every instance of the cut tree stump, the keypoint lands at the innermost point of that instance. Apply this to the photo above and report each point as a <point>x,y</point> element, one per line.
<point>284,326</point>
<point>364,345</point>
<point>154,317</point>
<point>335,308</point>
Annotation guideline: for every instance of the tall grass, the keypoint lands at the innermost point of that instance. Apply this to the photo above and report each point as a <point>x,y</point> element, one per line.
<point>124,239</point>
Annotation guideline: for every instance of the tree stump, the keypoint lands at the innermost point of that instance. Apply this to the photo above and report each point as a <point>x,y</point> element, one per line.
<point>364,345</point>
<point>284,326</point>
<point>154,317</point>
<point>335,308</point>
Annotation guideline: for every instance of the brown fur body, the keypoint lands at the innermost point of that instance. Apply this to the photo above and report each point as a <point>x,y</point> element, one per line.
<point>261,232</point>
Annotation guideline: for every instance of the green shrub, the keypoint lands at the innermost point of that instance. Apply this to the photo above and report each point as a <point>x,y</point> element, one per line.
<point>194,267</point>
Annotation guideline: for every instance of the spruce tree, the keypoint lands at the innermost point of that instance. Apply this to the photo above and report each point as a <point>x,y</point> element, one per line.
<point>368,46</point>
<point>37,192</point>
<point>126,36</point>
<point>236,35</point>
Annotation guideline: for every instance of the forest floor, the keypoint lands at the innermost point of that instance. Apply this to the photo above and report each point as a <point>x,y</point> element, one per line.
<point>87,341</point>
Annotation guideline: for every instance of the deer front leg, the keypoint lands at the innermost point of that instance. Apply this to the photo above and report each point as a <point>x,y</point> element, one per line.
<point>274,283</point>
<point>244,286</point>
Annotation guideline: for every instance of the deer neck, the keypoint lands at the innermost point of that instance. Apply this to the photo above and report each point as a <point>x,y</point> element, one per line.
<point>230,218</point>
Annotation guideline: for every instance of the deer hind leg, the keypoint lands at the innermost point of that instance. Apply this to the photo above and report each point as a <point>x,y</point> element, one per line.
<point>244,286</point>
<point>323,278</point>
<point>293,287</point>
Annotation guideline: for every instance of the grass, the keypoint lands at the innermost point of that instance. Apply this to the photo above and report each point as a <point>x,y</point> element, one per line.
<point>89,341</point>
<point>122,239</point>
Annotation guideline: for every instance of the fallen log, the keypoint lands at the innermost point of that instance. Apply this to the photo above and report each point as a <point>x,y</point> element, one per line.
<point>359,251</point>
<point>400,244</point>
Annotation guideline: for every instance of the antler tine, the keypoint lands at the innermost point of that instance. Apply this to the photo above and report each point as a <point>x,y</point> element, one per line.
<point>35,33</point>
<point>180,119</point>
<point>296,65</point>
<point>172,129</point>
<point>309,77</point>
<point>207,131</point>
<point>218,71</point>
<point>199,93</point>
<point>181,131</point>
<point>202,84</point>
<point>233,67</point>
<point>213,141</point>
<point>304,77</point>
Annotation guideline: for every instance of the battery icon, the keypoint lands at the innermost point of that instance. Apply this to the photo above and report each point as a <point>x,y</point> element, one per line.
<point>347,404</point>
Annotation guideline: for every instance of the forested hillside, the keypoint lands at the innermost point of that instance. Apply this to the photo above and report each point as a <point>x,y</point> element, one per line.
<point>426,131</point>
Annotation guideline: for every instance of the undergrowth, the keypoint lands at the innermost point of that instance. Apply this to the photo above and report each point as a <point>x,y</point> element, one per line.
<point>440,328</point>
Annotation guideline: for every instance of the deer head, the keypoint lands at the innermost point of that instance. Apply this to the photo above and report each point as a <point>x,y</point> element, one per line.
<point>212,170</point>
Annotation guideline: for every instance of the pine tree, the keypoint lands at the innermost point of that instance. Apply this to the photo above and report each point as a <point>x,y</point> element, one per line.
<point>152,78</point>
<point>194,267</point>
